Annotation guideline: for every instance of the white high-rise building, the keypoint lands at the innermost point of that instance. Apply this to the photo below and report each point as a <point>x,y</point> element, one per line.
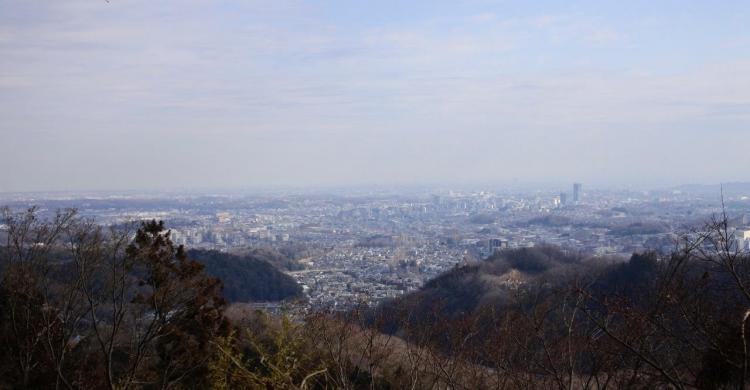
<point>577,192</point>
<point>742,236</point>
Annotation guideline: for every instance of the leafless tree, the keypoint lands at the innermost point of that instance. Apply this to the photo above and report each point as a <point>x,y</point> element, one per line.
<point>33,319</point>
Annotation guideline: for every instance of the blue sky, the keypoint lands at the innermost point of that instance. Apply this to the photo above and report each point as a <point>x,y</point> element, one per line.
<point>245,94</point>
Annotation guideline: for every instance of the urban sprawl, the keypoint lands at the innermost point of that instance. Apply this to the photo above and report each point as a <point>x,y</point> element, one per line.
<point>363,247</point>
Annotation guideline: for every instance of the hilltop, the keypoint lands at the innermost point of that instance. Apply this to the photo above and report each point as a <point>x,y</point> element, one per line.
<point>247,278</point>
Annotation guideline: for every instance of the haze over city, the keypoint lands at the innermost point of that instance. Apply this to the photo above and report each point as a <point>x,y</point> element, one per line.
<point>119,95</point>
<point>361,195</point>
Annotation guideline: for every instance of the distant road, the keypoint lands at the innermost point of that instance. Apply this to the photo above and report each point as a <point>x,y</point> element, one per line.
<point>307,271</point>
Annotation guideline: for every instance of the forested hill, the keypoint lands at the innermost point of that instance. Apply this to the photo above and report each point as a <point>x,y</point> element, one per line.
<point>274,257</point>
<point>501,279</point>
<point>247,278</point>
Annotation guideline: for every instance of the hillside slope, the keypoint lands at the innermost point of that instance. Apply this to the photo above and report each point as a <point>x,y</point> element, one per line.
<point>247,278</point>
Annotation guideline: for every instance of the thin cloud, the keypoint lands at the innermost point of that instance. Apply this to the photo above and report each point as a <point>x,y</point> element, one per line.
<point>281,92</point>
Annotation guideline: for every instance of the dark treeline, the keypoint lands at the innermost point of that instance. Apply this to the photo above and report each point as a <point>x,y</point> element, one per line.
<point>246,278</point>
<point>86,307</point>
<point>284,257</point>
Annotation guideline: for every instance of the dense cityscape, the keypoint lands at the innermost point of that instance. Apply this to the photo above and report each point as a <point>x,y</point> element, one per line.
<point>367,246</point>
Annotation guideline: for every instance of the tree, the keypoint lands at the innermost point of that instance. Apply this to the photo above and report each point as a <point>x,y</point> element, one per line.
<point>153,311</point>
<point>84,306</point>
<point>37,319</point>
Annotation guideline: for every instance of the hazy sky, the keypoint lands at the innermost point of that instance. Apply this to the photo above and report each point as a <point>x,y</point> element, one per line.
<point>233,94</point>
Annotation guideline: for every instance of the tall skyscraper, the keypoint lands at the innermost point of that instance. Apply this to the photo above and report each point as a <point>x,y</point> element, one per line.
<point>577,192</point>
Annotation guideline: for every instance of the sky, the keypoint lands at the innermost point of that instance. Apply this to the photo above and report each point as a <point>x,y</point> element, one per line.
<point>164,95</point>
